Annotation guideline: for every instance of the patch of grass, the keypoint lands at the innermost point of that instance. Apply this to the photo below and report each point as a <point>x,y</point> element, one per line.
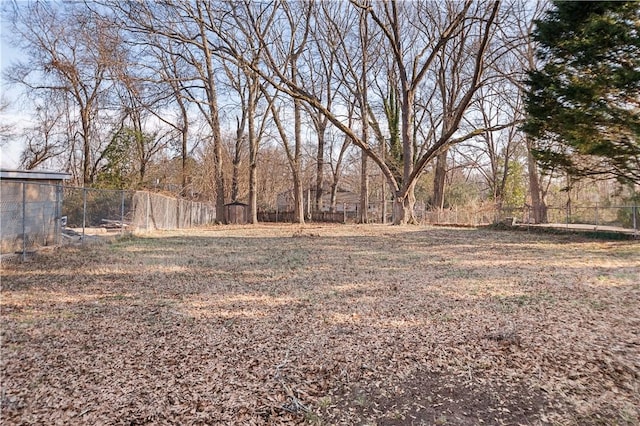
<point>598,305</point>
<point>313,419</point>
<point>115,297</point>
<point>441,420</point>
<point>360,400</point>
<point>324,402</point>
<point>510,304</point>
<point>445,317</point>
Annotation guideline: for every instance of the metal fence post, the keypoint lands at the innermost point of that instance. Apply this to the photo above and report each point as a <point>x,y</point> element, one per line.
<point>58,210</point>
<point>148,208</point>
<point>84,210</point>
<point>122,212</point>
<point>166,213</point>
<point>24,221</point>
<point>596,217</point>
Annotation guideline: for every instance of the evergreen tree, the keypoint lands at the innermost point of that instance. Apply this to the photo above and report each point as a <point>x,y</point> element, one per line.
<point>583,105</point>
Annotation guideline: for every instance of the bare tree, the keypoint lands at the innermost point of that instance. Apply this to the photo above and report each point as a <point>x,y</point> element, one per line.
<point>249,86</point>
<point>419,62</point>
<point>6,128</point>
<point>321,63</point>
<point>350,81</point>
<point>166,91</point>
<point>285,55</point>
<point>195,27</point>
<point>515,36</point>
<point>412,65</point>
<point>69,51</point>
<point>495,152</point>
<point>43,142</point>
<point>144,142</point>
<point>527,52</point>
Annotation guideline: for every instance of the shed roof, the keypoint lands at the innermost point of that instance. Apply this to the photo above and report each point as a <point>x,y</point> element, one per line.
<point>33,175</point>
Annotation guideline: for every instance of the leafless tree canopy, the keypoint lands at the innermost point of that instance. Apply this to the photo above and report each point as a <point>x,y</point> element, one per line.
<point>390,99</point>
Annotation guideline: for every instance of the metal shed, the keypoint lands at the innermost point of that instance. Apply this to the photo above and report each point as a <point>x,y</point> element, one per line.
<point>30,206</point>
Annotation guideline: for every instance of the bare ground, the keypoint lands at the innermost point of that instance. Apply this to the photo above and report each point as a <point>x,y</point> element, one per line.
<point>371,325</point>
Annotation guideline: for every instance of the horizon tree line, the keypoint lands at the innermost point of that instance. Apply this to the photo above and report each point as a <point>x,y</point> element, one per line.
<point>399,92</point>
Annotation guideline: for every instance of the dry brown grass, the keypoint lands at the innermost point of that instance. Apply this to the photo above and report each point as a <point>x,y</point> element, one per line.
<point>325,325</point>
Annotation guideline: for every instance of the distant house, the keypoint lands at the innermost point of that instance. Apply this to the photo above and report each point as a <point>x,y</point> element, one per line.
<point>30,206</point>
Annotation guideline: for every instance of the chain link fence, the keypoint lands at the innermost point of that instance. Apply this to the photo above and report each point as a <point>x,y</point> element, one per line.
<point>595,217</point>
<point>379,212</point>
<point>29,216</point>
<point>98,210</point>
<point>35,214</point>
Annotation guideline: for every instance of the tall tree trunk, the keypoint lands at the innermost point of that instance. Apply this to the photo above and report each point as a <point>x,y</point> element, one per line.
<point>334,196</point>
<point>364,189</point>
<point>403,200</point>
<point>364,178</point>
<point>383,190</point>
<point>86,148</point>
<point>237,157</point>
<point>253,199</point>
<point>214,120</point>
<point>297,126</point>
<point>184,140</point>
<point>183,154</point>
<point>400,209</point>
<point>439,180</point>
<point>298,199</point>
<point>538,204</point>
<point>235,176</point>
<point>320,166</point>
<point>253,152</point>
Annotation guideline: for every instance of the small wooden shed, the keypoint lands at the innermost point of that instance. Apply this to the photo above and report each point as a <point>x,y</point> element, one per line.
<point>237,213</point>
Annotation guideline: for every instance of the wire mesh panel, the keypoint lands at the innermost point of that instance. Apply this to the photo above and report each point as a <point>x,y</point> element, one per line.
<point>162,212</point>
<point>140,209</point>
<point>11,216</point>
<point>594,217</point>
<point>556,215</point>
<point>467,216</point>
<point>29,215</point>
<point>104,208</point>
<point>96,208</point>
<point>154,211</point>
<point>628,217</point>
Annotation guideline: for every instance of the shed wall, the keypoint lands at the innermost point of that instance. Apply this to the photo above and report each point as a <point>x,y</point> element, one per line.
<point>29,214</point>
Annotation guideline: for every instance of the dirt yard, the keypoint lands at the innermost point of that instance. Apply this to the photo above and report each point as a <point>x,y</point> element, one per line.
<point>327,325</point>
